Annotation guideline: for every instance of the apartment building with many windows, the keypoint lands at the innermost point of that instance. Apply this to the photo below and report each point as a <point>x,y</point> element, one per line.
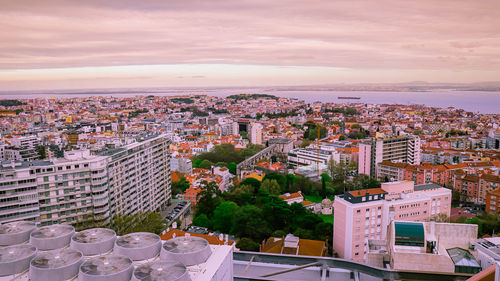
<point>365,214</point>
<point>82,187</point>
<point>405,149</point>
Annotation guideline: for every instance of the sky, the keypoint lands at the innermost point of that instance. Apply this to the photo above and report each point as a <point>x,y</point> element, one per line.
<point>57,44</point>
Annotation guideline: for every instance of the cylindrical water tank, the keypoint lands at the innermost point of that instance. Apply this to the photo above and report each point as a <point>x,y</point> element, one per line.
<point>17,232</point>
<point>55,265</point>
<point>138,245</point>
<point>52,237</point>
<point>161,271</point>
<point>94,241</point>
<point>188,250</point>
<point>106,268</point>
<point>15,259</point>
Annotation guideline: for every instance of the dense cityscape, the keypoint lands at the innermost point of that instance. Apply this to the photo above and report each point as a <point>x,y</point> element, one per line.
<point>260,173</point>
<point>250,140</point>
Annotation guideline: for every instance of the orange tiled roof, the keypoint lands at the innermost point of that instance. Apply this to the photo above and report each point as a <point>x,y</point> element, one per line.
<point>371,191</point>
<point>291,196</point>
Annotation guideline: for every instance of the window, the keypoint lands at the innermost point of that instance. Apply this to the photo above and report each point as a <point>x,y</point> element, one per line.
<point>358,211</point>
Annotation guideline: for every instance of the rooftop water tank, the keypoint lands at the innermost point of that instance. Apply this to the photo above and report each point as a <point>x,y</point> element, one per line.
<point>161,271</point>
<point>16,232</point>
<point>55,265</point>
<point>52,237</point>
<point>187,249</point>
<point>15,259</point>
<point>94,241</point>
<point>106,268</point>
<point>138,245</point>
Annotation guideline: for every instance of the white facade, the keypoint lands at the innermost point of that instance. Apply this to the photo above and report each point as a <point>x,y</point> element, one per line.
<point>82,187</point>
<point>405,149</point>
<point>309,156</point>
<point>256,133</point>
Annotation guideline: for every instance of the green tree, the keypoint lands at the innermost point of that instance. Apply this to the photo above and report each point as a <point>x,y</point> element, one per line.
<point>303,233</point>
<point>305,143</point>
<point>279,233</point>
<point>277,213</point>
<point>281,179</point>
<point>180,186</point>
<point>371,183</point>
<point>323,231</point>
<point>223,216</point>
<point>252,182</point>
<point>153,222</point>
<point>324,179</point>
<point>139,222</point>
<point>248,222</point>
<point>203,221</point>
<point>209,199</point>
<point>232,167</point>
<point>197,162</point>
<point>271,186</point>
<point>312,132</point>
<point>205,164</point>
<point>41,152</point>
<point>247,244</point>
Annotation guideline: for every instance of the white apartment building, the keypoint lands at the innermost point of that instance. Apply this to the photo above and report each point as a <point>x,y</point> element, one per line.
<point>82,187</point>
<point>139,176</point>
<point>256,133</point>
<point>22,148</point>
<point>406,149</point>
<point>309,156</point>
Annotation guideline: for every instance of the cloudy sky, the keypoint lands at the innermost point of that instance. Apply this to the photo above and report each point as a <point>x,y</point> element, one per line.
<point>56,44</point>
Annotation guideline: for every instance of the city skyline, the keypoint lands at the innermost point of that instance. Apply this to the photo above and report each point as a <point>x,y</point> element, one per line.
<point>69,45</point>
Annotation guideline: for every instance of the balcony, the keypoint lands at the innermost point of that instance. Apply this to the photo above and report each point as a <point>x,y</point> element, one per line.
<point>100,202</point>
<point>101,210</point>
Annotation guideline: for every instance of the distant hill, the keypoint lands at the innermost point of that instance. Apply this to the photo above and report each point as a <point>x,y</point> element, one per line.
<point>251,96</point>
<point>11,103</point>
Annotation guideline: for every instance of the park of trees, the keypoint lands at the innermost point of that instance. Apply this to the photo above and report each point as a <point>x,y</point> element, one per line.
<point>252,212</point>
<point>224,155</point>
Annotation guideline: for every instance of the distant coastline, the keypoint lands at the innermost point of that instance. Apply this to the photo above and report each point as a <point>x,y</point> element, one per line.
<point>474,101</point>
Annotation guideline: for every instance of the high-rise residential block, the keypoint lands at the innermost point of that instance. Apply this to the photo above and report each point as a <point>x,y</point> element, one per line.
<point>404,149</point>
<point>82,187</point>
<point>256,133</point>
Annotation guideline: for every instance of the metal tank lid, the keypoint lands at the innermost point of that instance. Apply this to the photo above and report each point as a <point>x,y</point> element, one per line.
<point>161,271</point>
<point>93,235</point>
<point>52,231</point>
<point>56,258</point>
<point>16,252</point>
<point>106,265</point>
<point>138,240</point>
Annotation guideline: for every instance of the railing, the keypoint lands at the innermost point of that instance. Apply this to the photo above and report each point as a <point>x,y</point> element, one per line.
<point>277,261</point>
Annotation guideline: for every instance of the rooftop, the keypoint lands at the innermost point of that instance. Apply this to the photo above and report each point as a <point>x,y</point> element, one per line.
<point>364,192</point>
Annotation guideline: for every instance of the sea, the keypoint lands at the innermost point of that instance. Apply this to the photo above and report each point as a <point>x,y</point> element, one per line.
<point>486,102</point>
